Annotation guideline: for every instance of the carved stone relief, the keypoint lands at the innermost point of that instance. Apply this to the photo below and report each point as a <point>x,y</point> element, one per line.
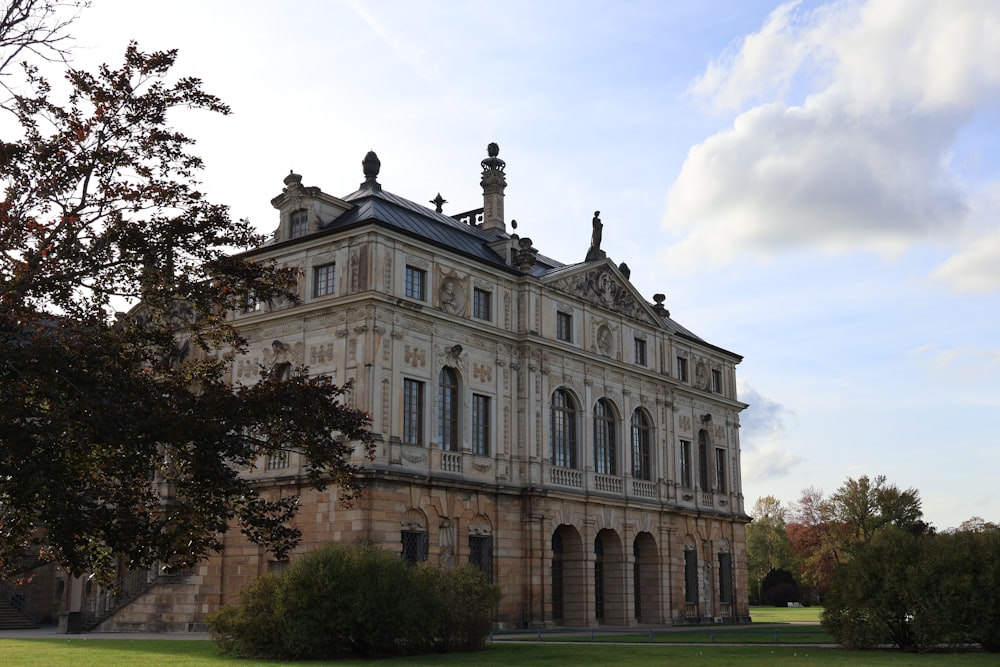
<point>453,294</point>
<point>414,356</point>
<point>601,287</point>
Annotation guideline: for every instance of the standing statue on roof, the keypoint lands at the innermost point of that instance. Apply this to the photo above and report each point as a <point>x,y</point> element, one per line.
<point>595,251</point>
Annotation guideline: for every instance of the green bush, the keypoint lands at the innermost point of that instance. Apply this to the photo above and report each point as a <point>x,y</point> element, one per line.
<point>253,627</point>
<point>358,601</point>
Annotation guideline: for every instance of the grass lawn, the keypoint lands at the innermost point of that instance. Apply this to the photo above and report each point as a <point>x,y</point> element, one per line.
<point>785,614</point>
<point>164,653</point>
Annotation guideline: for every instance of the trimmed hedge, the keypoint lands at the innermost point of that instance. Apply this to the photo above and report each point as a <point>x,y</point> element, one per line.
<point>359,601</point>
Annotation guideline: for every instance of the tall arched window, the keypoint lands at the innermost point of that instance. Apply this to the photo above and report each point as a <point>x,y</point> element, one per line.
<point>605,447</point>
<point>641,465</point>
<point>563,427</point>
<point>448,415</point>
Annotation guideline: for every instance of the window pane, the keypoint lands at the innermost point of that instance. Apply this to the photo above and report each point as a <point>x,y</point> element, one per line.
<point>448,417</point>
<point>413,410</point>
<point>299,224</point>
<point>720,470</point>
<point>641,468</point>
<point>480,425</point>
<point>482,307</point>
<point>415,282</point>
<point>564,327</point>
<point>563,417</point>
<point>414,546</point>
<point>685,464</point>
<point>323,277</point>
<point>640,351</point>
<point>605,452</point>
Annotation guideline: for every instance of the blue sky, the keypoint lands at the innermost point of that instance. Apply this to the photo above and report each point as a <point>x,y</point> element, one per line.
<point>813,185</point>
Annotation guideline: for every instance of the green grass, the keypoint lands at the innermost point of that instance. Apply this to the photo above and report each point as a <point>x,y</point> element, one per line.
<point>741,634</point>
<point>785,614</point>
<point>186,653</point>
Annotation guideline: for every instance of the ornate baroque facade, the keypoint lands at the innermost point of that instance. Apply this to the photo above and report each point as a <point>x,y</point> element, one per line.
<point>540,420</point>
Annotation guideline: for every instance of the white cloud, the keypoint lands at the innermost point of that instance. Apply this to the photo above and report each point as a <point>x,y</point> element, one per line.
<point>863,160</point>
<point>762,437</point>
<point>964,365</point>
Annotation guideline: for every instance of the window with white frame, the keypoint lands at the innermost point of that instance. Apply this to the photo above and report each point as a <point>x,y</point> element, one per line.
<point>416,283</point>
<point>482,304</point>
<point>323,279</point>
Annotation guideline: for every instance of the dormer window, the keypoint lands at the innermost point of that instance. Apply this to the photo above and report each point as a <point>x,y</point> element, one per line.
<point>299,224</point>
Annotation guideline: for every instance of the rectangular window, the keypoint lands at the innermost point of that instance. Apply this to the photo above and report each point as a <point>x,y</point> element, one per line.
<point>323,279</point>
<point>686,464</point>
<point>299,224</point>
<point>716,381</point>
<point>682,369</point>
<point>416,283</point>
<point>482,305</point>
<point>690,576</point>
<point>720,470</point>
<point>414,546</point>
<point>640,351</point>
<point>725,578</point>
<point>703,468</point>
<point>480,425</point>
<point>564,327</point>
<point>413,412</point>
<point>481,554</point>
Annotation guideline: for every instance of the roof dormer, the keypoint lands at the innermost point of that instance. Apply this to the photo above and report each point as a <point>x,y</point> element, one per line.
<point>304,210</point>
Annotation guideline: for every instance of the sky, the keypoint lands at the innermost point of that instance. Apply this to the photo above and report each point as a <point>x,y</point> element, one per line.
<point>813,185</point>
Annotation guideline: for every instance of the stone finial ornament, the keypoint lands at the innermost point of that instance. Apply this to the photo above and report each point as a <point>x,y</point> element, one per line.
<point>371,166</point>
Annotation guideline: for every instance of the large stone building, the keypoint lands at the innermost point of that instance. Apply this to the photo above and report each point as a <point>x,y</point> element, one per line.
<point>540,420</point>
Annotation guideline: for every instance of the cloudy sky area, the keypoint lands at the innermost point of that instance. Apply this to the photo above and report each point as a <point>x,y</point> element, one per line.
<point>813,185</point>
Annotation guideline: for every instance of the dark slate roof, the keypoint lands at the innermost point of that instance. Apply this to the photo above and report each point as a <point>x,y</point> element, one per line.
<point>377,205</point>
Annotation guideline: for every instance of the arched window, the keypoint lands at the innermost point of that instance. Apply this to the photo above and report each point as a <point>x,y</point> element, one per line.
<point>448,415</point>
<point>605,447</point>
<point>641,466</point>
<point>563,427</point>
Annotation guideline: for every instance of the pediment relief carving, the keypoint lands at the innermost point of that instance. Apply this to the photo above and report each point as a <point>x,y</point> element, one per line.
<point>602,287</point>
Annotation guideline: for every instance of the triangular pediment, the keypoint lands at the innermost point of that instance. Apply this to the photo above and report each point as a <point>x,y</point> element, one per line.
<point>603,285</point>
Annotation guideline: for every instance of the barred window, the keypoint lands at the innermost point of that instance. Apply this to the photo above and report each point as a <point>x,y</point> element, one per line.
<point>690,576</point>
<point>414,546</point>
<point>725,577</point>
<point>481,554</point>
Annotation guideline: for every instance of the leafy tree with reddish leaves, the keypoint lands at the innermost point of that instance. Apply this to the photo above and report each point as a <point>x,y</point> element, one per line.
<point>121,438</point>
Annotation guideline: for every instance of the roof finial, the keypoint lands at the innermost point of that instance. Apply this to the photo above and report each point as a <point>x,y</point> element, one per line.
<point>439,202</point>
<point>371,165</point>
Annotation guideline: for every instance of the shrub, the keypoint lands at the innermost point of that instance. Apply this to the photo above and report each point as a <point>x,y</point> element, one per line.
<point>253,627</point>
<point>358,601</point>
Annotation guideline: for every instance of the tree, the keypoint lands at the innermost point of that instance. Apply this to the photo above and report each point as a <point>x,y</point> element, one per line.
<point>35,27</point>
<point>768,547</point>
<point>867,505</point>
<point>120,436</point>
